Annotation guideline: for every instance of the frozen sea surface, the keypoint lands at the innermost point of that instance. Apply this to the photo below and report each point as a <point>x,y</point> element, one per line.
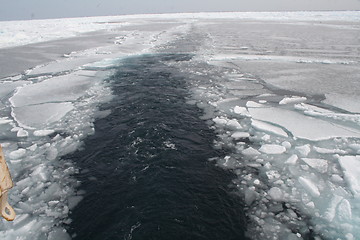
<point>279,90</point>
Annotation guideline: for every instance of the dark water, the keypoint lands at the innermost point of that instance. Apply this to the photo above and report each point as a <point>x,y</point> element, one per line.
<point>148,174</point>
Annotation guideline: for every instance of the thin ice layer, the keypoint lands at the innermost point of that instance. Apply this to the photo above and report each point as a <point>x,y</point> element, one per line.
<point>42,115</point>
<point>56,89</point>
<point>302,126</point>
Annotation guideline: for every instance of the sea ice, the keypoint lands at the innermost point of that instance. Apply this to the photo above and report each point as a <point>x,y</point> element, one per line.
<point>309,186</point>
<point>272,149</point>
<point>351,168</point>
<point>57,89</point>
<point>303,150</point>
<point>241,111</point>
<point>41,116</point>
<point>252,104</point>
<point>279,187</point>
<point>239,135</point>
<point>5,120</point>
<point>22,133</point>
<point>17,153</point>
<point>43,133</point>
<point>276,194</point>
<point>321,165</point>
<point>302,126</point>
<point>290,100</point>
<point>250,151</point>
<point>267,127</point>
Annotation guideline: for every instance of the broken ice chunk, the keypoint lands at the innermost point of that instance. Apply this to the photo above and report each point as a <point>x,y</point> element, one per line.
<point>233,124</point>
<point>5,121</point>
<point>252,104</point>
<point>272,174</point>
<point>17,153</point>
<point>303,150</point>
<point>250,196</point>
<point>22,133</point>
<point>321,165</point>
<point>250,151</point>
<point>286,144</point>
<point>266,127</point>
<point>239,135</point>
<point>336,178</point>
<point>242,111</point>
<point>309,186</point>
<point>344,210</point>
<point>294,99</point>
<point>272,149</point>
<point>220,121</point>
<point>351,168</point>
<point>276,194</point>
<point>43,133</point>
<point>292,159</point>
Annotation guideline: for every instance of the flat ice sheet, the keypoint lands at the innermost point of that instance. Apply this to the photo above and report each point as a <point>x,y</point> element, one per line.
<point>41,115</point>
<point>302,126</point>
<point>56,89</point>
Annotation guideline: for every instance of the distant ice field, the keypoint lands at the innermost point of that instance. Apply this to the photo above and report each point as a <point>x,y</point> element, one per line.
<point>280,90</point>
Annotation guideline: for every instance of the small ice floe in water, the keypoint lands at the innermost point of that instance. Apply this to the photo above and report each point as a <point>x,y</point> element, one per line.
<point>242,111</point>
<point>240,135</point>
<point>276,194</point>
<point>250,151</point>
<point>43,133</point>
<point>294,99</point>
<point>5,120</point>
<point>266,127</point>
<point>22,133</point>
<point>19,153</point>
<point>272,149</point>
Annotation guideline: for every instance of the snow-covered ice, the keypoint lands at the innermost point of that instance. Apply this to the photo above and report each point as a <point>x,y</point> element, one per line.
<point>279,89</point>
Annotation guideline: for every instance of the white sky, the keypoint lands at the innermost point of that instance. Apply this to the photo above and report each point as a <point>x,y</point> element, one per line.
<point>38,9</point>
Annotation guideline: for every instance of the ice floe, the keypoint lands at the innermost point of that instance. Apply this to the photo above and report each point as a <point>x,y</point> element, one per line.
<point>310,128</point>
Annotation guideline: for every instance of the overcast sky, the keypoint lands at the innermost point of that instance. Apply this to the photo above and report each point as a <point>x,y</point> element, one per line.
<point>39,9</point>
